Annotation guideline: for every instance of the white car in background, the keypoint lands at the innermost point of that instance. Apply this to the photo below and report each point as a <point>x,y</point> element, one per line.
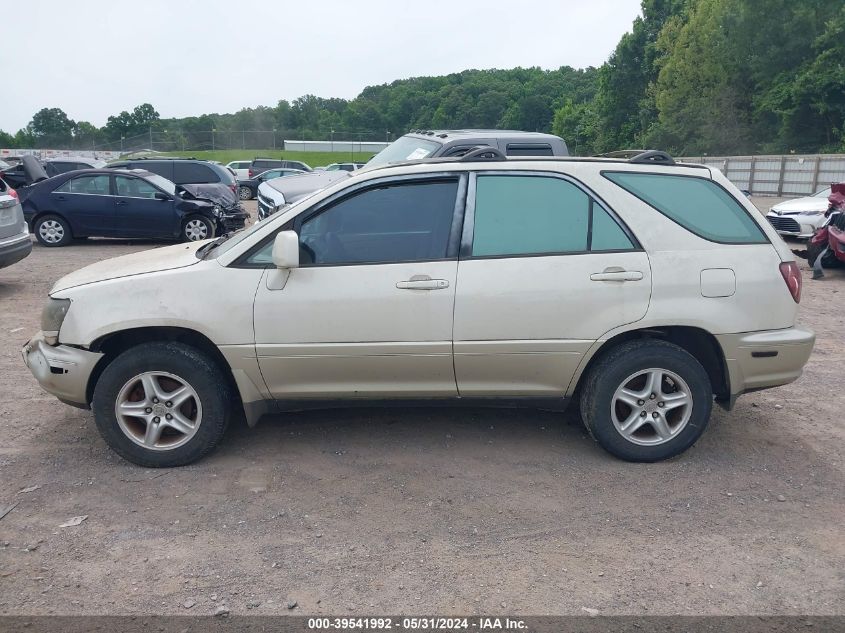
<point>241,168</point>
<point>800,217</point>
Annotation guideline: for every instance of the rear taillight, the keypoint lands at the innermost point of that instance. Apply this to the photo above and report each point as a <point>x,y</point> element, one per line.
<point>251,175</point>
<point>792,277</point>
<point>12,193</point>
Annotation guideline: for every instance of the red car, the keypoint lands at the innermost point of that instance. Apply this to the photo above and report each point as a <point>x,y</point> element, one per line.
<point>832,234</point>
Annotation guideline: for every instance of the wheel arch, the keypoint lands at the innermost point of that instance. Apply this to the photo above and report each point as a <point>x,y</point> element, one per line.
<point>700,343</point>
<point>74,232</point>
<point>114,343</point>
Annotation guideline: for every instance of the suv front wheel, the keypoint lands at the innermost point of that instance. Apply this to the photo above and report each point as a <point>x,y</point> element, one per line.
<point>647,400</point>
<point>161,404</point>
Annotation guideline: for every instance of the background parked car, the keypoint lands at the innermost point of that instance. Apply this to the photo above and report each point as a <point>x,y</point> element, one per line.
<point>419,144</point>
<point>259,165</point>
<point>248,187</point>
<point>800,217</point>
<point>122,203</point>
<point>343,166</point>
<point>182,171</point>
<point>56,166</point>
<point>15,243</point>
<point>241,168</point>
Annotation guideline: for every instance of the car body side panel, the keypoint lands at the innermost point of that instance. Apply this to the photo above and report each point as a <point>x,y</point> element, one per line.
<point>207,298</point>
<point>522,324</point>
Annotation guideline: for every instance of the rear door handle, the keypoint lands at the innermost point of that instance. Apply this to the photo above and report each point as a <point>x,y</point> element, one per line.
<point>617,275</point>
<point>422,282</point>
<point>121,202</point>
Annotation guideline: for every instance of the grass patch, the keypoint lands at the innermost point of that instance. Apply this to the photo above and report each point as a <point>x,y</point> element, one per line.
<point>314,159</point>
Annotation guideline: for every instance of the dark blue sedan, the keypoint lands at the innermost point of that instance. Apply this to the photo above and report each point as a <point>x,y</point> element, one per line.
<point>127,204</point>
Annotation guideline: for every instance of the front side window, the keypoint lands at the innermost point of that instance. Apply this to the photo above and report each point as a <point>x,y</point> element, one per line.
<point>697,204</point>
<point>91,185</point>
<point>134,187</point>
<point>394,223</point>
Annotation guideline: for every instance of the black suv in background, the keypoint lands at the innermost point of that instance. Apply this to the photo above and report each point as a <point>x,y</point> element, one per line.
<point>183,171</point>
<point>260,165</point>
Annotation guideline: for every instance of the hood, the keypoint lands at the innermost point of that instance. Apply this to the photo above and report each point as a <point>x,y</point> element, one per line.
<point>214,192</point>
<point>802,204</point>
<point>294,188</point>
<point>156,259</point>
<point>33,170</point>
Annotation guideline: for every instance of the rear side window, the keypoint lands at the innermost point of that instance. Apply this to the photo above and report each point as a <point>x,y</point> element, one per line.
<point>162,168</point>
<point>90,185</point>
<point>529,149</point>
<point>697,204</point>
<point>193,173</point>
<point>536,215</point>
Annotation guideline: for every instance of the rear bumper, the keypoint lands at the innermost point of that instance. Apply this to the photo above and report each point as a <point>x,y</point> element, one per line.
<point>15,248</point>
<point>760,360</point>
<point>61,370</point>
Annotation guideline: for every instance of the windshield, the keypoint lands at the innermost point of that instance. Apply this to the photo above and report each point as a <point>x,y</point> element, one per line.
<point>405,148</point>
<point>162,183</point>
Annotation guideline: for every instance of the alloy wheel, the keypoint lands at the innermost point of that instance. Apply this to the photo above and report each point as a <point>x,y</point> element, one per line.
<point>651,406</point>
<point>158,410</point>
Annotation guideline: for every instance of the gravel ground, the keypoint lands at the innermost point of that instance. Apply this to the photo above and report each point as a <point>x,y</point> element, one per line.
<point>441,511</point>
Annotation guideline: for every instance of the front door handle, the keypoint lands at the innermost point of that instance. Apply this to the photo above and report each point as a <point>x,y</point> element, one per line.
<point>615,273</point>
<point>422,282</point>
<point>122,202</point>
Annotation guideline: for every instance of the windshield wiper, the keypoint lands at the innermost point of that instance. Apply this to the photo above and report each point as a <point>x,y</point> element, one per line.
<point>203,251</point>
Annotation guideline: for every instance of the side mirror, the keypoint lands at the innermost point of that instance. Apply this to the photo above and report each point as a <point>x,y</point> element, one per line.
<point>286,250</point>
<point>160,195</point>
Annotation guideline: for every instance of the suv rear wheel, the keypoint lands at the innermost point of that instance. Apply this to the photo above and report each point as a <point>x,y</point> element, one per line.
<point>646,400</point>
<point>244,193</point>
<point>162,405</point>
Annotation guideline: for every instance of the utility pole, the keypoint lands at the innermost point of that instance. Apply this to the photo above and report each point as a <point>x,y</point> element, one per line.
<point>212,138</point>
<point>151,137</point>
<point>274,139</point>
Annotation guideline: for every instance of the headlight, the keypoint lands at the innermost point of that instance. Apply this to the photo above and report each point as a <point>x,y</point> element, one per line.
<point>52,316</point>
<point>813,212</point>
<point>217,211</point>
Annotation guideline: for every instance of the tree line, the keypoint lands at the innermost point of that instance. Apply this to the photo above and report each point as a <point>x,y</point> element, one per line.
<point>691,77</point>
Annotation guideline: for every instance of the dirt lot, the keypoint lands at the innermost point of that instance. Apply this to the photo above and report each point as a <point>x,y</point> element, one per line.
<point>427,511</point>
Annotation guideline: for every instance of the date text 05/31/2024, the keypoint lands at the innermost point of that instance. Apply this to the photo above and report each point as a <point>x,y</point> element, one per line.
<point>431,623</point>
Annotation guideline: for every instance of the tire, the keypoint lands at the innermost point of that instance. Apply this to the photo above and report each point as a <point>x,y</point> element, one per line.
<point>666,429</point>
<point>245,193</point>
<point>52,230</point>
<point>196,228</point>
<point>139,382</point>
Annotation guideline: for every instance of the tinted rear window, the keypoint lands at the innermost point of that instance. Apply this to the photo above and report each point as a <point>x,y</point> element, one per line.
<point>529,149</point>
<point>162,168</point>
<point>193,173</point>
<point>697,204</point>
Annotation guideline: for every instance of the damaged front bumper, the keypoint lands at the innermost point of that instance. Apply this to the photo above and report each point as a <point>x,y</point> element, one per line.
<point>61,370</point>
<point>231,221</point>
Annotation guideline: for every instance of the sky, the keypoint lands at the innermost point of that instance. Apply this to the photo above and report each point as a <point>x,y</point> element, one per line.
<point>94,58</point>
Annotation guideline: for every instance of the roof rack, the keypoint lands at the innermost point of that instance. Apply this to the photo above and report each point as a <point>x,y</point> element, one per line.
<point>482,152</point>
<point>652,156</point>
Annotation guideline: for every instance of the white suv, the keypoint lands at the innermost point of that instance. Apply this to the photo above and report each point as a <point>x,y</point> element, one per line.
<point>643,288</point>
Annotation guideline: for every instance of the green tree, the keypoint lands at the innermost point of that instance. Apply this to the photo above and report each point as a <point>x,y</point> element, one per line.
<point>51,127</point>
